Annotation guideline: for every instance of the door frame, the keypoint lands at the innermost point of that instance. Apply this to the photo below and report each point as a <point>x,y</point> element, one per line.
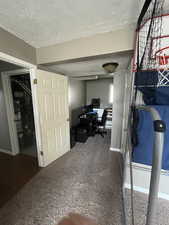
<point>31,69</point>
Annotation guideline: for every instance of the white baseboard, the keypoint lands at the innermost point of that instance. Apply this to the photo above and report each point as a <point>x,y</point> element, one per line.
<point>146,191</point>
<point>6,151</point>
<point>141,179</point>
<point>115,149</point>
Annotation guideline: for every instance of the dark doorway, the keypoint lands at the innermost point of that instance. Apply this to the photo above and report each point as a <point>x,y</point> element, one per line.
<point>24,118</point>
<point>16,171</point>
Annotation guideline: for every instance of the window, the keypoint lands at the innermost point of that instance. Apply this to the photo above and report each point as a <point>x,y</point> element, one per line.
<point>111,94</point>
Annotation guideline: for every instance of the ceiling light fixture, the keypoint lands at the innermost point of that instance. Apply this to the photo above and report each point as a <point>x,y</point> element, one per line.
<point>110,67</point>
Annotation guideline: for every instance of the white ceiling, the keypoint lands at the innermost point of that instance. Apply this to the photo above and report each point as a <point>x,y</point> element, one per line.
<point>42,23</point>
<point>92,66</point>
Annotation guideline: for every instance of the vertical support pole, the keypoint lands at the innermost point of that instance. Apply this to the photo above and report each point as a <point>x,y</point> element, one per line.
<point>159,128</point>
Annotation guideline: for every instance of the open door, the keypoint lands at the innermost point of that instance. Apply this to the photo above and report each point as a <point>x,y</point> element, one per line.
<point>53,107</point>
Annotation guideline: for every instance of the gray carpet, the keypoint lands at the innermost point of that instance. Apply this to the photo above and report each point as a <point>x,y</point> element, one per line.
<point>140,209</point>
<point>86,180</point>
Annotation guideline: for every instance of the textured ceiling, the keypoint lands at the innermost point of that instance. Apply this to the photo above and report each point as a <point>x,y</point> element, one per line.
<point>42,23</point>
<point>92,66</point>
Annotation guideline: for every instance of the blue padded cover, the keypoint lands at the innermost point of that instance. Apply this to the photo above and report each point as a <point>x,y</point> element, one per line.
<point>162,96</point>
<point>143,152</point>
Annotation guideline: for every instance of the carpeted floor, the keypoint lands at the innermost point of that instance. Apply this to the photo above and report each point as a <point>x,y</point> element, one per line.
<point>86,180</point>
<point>140,209</point>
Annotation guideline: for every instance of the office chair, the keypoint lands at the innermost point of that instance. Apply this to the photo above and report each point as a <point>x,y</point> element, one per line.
<point>101,124</point>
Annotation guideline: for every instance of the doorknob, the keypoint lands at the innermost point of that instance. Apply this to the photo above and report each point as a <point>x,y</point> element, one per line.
<point>68,120</point>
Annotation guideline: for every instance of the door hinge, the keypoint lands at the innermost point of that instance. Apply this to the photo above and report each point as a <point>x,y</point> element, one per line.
<point>41,153</point>
<point>35,81</point>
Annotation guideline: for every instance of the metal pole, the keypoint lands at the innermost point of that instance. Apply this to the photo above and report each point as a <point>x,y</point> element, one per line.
<point>159,128</point>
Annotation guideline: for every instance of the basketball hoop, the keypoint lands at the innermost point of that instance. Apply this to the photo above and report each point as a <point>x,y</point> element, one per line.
<point>152,44</point>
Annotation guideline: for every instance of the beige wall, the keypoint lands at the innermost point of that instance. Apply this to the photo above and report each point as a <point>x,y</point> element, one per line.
<point>118,108</point>
<point>13,46</point>
<point>115,41</point>
<point>4,134</point>
<point>99,89</point>
<point>77,99</point>
<point>100,44</point>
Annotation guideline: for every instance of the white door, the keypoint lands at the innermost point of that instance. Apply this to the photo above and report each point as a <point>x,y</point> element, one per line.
<point>53,107</point>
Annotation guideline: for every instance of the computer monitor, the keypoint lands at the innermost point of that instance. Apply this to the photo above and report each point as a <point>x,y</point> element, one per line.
<point>95,102</point>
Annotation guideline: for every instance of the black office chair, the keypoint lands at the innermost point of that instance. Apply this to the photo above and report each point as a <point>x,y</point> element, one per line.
<point>101,124</point>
